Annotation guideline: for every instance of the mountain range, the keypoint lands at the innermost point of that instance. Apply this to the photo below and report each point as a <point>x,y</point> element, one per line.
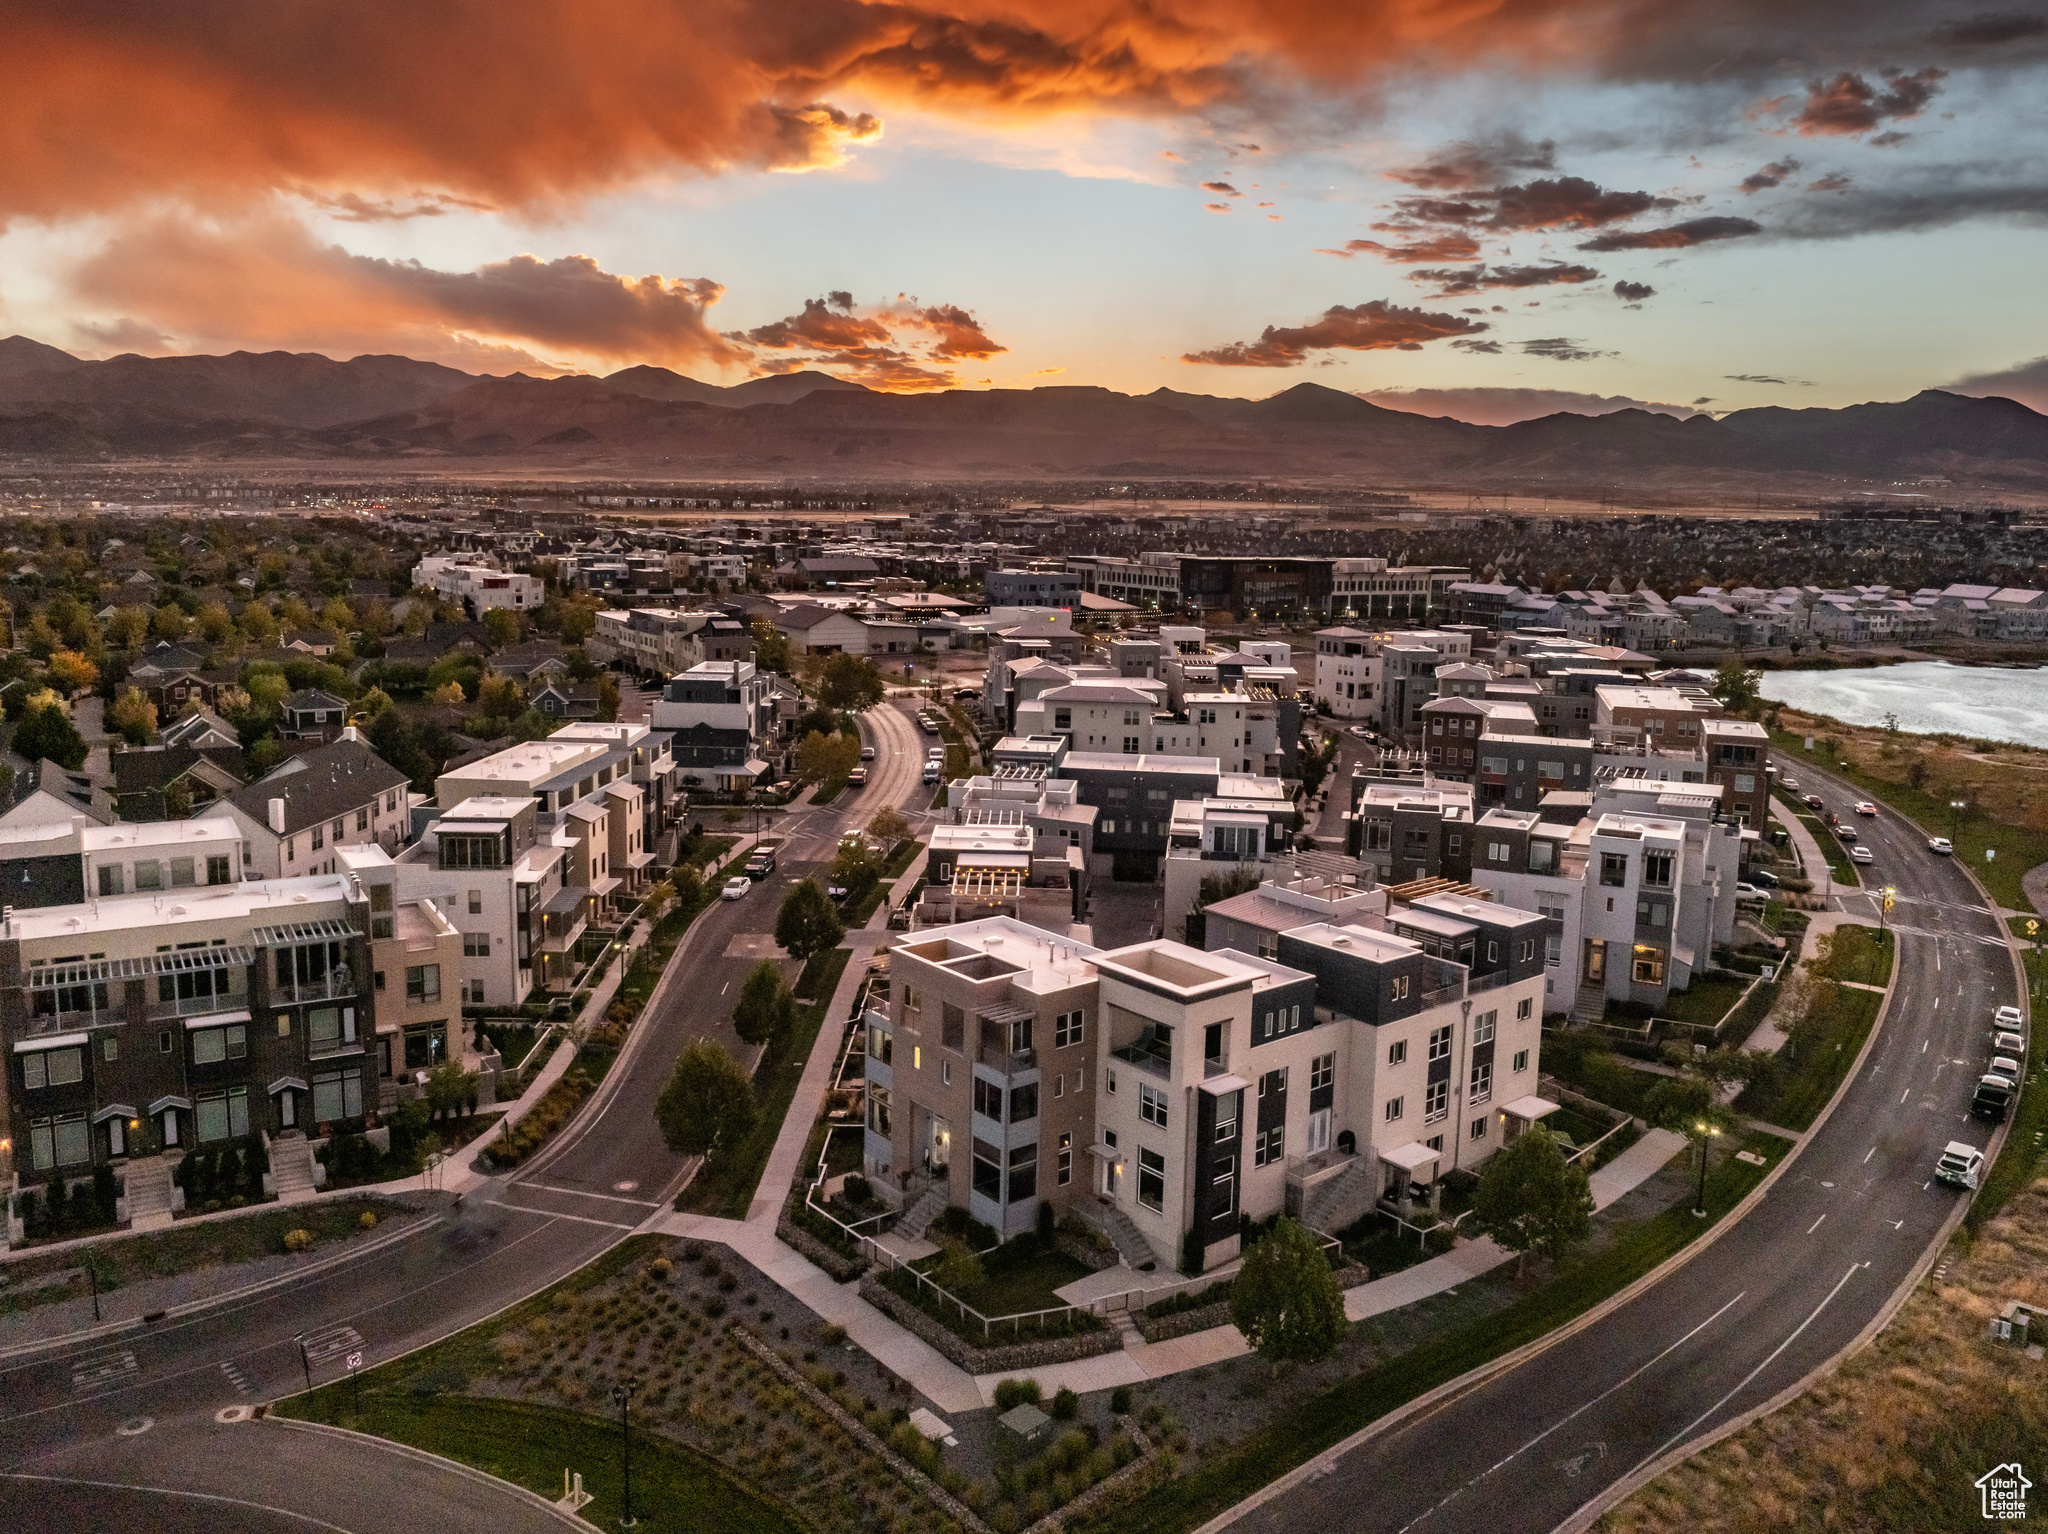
<point>313,410</point>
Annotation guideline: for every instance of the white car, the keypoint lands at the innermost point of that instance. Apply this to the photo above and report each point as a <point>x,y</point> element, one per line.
<point>1941,845</point>
<point>2004,1066</point>
<point>2007,1043</point>
<point>1790,784</point>
<point>867,753</point>
<point>2009,1017</point>
<point>1862,855</point>
<point>736,888</point>
<point>1361,732</point>
<point>1959,1165</point>
<point>1747,892</point>
<point>1865,807</point>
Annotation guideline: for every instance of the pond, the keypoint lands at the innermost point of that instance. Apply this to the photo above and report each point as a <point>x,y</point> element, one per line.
<point>1927,697</point>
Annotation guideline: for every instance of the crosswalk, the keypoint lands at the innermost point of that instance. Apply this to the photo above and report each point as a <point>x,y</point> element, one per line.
<point>1986,939</point>
<point>236,1377</point>
<point>98,1369</point>
<point>321,1347</point>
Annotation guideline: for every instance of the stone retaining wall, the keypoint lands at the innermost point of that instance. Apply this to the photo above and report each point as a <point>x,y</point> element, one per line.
<point>1097,1259</point>
<point>835,1262</point>
<point>1003,1358</point>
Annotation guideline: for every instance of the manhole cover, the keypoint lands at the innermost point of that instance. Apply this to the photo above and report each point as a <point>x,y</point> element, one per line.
<point>624,1187</point>
<point>135,1427</point>
<point>234,1414</point>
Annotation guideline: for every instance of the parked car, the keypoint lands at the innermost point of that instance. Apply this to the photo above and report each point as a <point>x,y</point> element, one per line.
<point>1763,878</point>
<point>1865,807</point>
<point>867,753</point>
<point>2005,1068</point>
<point>933,771</point>
<point>736,887</point>
<point>1749,892</point>
<point>1862,855</point>
<point>1361,732</point>
<point>1814,802</point>
<point>761,864</point>
<point>835,892</point>
<point>1790,785</point>
<point>2013,1044</point>
<point>2009,1017</point>
<point>1992,1100</point>
<point>935,754</point>
<point>1940,845</point>
<point>1959,1165</point>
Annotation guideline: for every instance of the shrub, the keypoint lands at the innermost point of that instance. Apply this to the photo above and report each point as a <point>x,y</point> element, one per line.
<point>1066,1406</point>
<point>297,1240</point>
<point>1120,1400</point>
<point>367,1220</point>
<point>859,1191</point>
<point>833,1335</point>
<point>1011,1393</point>
<point>660,1268</point>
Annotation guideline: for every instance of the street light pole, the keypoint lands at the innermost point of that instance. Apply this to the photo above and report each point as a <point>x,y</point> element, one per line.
<point>1706,1133</point>
<point>622,1395</point>
<point>305,1362</point>
<point>1955,816</point>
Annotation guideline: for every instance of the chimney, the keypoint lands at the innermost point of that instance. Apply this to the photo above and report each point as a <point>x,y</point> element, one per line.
<point>277,816</point>
<point>350,732</point>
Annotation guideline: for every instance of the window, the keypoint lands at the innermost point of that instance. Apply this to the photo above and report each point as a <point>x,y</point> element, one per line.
<point>1023,1172</point>
<point>1269,1146</point>
<point>1657,870</point>
<point>330,1028</point>
<point>210,1046</point>
<point>1223,1188</point>
<point>1151,1179</point>
<point>422,983</point>
<point>320,838</point>
<point>111,881</point>
<point>1066,1029</point>
<point>1614,869</point>
<point>1492,951</point>
<point>1482,1027</point>
<point>110,1048</point>
<point>1478,1130</point>
<point>1497,852</point>
<point>149,874</point>
<point>182,876</point>
<point>476,902</point>
<point>363,819</point>
<point>1393,1109</point>
<point>222,1116</point>
<point>880,1043</point>
<point>1397,990</point>
<point>219,871</point>
<point>1226,1118</point>
<point>988,1171</point>
<point>1024,1103</point>
<point>337,1095</point>
<point>1482,1080</point>
<point>988,1099</point>
<point>878,1109</point>
<point>60,1142</point>
<point>1523,1008</point>
<point>476,945</point>
<point>1132,745</point>
<point>53,1068</point>
<point>1436,1101</point>
<point>1521,1061</point>
<point>1440,1043</point>
<point>1273,1081</point>
<point>1649,964</point>
<point>1152,1105</point>
<point>1397,1052</point>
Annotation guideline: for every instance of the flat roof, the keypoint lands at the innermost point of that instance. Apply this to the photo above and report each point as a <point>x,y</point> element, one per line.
<point>1363,941</point>
<point>157,833</point>
<point>273,899</point>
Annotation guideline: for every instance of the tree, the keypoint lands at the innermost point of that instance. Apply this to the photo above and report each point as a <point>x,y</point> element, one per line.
<point>257,622</point>
<point>47,731</point>
<point>133,716</point>
<point>502,624</point>
<point>761,1008</point>
<point>128,628</point>
<point>177,799</point>
<point>1736,685</point>
<point>1224,885</point>
<point>889,827</point>
<point>607,699</point>
<point>850,682</point>
<point>822,758</point>
<point>855,867</point>
<point>447,692</point>
<point>771,647</point>
<point>214,623</point>
<point>1286,1300</point>
<point>73,672</point>
<point>373,703</point>
<point>338,615</point>
<point>169,622</point>
<point>807,924</point>
<point>708,1105</point>
<point>1530,1199</point>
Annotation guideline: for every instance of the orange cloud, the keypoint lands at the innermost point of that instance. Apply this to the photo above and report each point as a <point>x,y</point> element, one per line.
<point>1375,326</point>
<point>1454,246</point>
<point>866,347</point>
<point>1849,104</point>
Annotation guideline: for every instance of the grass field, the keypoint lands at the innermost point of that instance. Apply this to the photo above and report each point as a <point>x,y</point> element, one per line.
<point>2026,1142</point>
<point>1815,1057</point>
<point>1301,1433</point>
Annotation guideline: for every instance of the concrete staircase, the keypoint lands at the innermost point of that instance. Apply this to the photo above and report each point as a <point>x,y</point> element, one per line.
<point>917,1219</point>
<point>148,1181</point>
<point>1590,1004</point>
<point>1129,1241</point>
<point>291,1167</point>
<point>1342,1201</point>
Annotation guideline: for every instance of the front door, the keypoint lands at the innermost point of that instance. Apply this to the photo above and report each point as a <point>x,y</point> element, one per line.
<point>1596,961</point>
<point>117,1137</point>
<point>170,1122</point>
<point>287,1109</point>
<point>1319,1131</point>
<point>939,1150</point>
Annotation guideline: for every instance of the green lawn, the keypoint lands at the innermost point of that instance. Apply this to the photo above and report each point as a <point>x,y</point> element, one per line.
<point>728,1188</point>
<point>1861,954</point>
<point>1815,1058</point>
<point>1703,1003</point>
<point>1225,1477</point>
<point>2021,1158</point>
<point>2018,850</point>
<point>1020,1282</point>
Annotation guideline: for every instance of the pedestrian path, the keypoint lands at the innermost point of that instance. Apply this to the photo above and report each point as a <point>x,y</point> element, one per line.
<point>1811,858</point>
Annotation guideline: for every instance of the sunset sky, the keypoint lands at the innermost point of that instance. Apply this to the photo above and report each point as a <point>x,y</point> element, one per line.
<point>1484,209</point>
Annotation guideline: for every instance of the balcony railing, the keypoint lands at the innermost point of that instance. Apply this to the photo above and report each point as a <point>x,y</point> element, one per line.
<point>340,982</point>
<point>1008,1061</point>
<point>1477,983</point>
<point>1147,1060</point>
<point>1443,993</point>
<point>199,1006</point>
<point>1214,1065</point>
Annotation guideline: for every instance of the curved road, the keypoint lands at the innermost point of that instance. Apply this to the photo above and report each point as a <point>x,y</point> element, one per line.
<point>61,1407</point>
<point>1779,1292</point>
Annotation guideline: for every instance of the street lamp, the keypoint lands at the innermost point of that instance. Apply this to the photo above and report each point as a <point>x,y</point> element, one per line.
<point>622,1397</point>
<point>1955,814</point>
<point>1706,1133</point>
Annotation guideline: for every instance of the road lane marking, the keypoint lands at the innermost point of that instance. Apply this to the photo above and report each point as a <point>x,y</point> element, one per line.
<point>555,1214</point>
<point>1923,1045</point>
<point>1583,1408</point>
<point>236,1377</point>
<point>1815,1225</point>
<point>331,1343</point>
<point>1683,1432</point>
<point>101,1369</point>
<point>1868,1154</point>
<point>651,1203</point>
<point>1905,1094</point>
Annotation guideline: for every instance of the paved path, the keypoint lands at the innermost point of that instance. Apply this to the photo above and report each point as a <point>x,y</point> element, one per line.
<point>1811,858</point>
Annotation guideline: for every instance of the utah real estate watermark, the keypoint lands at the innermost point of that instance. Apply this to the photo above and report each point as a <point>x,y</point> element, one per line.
<point>2004,1490</point>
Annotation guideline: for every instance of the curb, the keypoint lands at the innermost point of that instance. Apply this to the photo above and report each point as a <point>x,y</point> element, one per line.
<point>247,1291</point>
<point>468,1472</point>
<point>1326,1461</point>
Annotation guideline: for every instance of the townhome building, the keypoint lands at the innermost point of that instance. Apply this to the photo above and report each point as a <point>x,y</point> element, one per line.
<point>479,587</point>
<point>1738,753</point>
<point>296,817</point>
<point>719,716</point>
<point>64,861</point>
<point>1348,673</point>
<point>140,1024</point>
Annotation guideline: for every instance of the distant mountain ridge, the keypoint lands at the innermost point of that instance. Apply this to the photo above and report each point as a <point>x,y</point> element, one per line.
<point>307,407</point>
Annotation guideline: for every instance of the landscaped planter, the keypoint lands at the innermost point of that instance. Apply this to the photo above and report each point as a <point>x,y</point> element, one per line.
<point>1001,1357</point>
<point>838,1264</point>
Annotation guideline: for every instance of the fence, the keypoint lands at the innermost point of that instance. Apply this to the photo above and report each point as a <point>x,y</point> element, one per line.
<point>1126,1300</point>
<point>1587,1150</point>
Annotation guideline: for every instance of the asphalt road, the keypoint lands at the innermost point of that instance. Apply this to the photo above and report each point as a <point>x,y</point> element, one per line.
<point>61,1408</point>
<point>1781,1291</point>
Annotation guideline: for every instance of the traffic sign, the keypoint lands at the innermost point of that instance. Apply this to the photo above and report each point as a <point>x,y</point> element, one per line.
<point>355,1360</point>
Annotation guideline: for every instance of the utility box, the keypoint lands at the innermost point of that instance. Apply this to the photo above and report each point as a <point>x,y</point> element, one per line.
<point>2013,1324</point>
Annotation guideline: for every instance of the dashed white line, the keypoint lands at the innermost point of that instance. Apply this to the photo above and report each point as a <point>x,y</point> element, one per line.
<point>1868,1154</point>
<point>1815,1225</point>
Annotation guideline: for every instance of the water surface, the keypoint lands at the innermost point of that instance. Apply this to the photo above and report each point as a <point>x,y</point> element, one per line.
<point>1928,697</point>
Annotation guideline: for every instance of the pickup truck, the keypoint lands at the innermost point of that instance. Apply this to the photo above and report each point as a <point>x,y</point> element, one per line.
<point>762,863</point>
<point>1992,1100</point>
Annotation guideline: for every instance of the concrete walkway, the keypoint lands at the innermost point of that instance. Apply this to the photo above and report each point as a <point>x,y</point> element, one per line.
<point>1811,858</point>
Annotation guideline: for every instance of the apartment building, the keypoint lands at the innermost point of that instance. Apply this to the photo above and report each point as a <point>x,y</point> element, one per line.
<point>1348,673</point>
<point>295,818</point>
<point>1661,716</point>
<point>1738,753</point>
<point>660,641</point>
<point>140,1023</point>
<point>1406,828</point>
<point>478,587</point>
<point>719,716</point>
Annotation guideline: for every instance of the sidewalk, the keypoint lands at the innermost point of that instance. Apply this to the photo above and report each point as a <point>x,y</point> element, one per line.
<point>1811,858</point>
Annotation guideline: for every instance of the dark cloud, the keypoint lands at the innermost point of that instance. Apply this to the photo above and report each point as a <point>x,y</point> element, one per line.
<point>1484,348</point>
<point>1771,175</point>
<point>1680,236</point>
<point>353,208</point>
<point>1558,202</point>
<point>1633,292</point>
<point>1452,246</point>
<point>1505,406</point>
<point>1888,140</point>
<point>1466,163</point>
<point>1560,349</point>
<point>2027,383</point>
<point>1221,188</point>
<point>1849,104</point>
<point>1767,378</point>
<point>1941,197</point>
<point>1375,326</point>
<point>1473,279</point>
<point>1989,29</point>
<point>1833,181</point>
<point>1704,399</point>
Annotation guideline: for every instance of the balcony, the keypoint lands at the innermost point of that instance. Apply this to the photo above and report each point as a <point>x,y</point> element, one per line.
<point>1147,1058</point>
<point>338,983</point>
<point>227,998</point>
<point>1008,1061</point>
<point>1487,982</point>
<point>1452,992</point>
